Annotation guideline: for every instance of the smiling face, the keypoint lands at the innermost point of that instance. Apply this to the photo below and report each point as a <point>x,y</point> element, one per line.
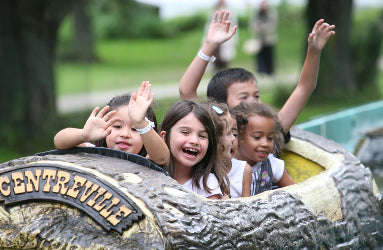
<point>257,141</point>
<point>242,92</point>
<point>188,142</point>
<point>124,136</point>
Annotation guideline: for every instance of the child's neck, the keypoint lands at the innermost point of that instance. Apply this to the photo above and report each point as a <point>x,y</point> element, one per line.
<point>183,174</point>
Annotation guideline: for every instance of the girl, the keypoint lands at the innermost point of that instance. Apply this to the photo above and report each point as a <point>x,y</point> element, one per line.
<point>259,135</point>
<point>188,131</point>
<point>125,127</point>
<point>238,172</point>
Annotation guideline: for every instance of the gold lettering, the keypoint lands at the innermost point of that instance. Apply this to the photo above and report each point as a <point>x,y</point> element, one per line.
<point>123,212</point>
<point>100,192</point>
<point>105,212</point>
<point>62,179</point>
<point>48,174</point>
<point>5,179</point>
<point>18,179</point>
<point>31,180</point>
<point>73,192</point>
<point>100,206</point>
<point>85,195</point>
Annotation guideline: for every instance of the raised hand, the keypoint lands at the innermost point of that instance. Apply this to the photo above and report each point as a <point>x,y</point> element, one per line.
<point>98,124</point>
<point>219,29</point>
<point>319,35</point>
<point>139,104</point>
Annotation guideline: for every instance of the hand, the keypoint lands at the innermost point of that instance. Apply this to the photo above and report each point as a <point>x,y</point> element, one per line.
<point>139,104</point>
<point>219,29</point>
<point>319,35</point>
<point>98,125</point>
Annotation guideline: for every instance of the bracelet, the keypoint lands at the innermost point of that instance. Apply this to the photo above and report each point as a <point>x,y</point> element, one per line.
<point>147,128</point>
<point>205,57</point>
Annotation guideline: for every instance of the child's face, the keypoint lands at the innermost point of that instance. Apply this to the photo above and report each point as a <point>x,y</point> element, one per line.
<point>258,140</point>
<point>234,130</point>
<point>227,139</point>
<point>188,141</point>
<point>124,136</point>
<point>242,92</point>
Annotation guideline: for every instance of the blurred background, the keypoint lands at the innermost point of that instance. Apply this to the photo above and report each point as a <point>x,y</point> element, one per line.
<point>60,58</point>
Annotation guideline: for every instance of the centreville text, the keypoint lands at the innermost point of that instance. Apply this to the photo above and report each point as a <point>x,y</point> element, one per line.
<point>103,202</point>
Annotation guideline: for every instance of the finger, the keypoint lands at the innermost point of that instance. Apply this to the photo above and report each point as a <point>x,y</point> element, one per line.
<point>226,15</point>
<point>111,121</point>
<point>103,111</point>
<point>147,90</point>
<point>141,89</point>
<point>94,111</point>
<point>215,17</point>
<point>318,24</point>
<point>227,25</point>
<point>109,115</point>
<point>220,17</point>
<point>233,30</point>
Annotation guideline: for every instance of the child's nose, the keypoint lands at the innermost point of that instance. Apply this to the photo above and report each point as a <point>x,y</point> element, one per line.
<point>126,132</point>
<point>194,139</point>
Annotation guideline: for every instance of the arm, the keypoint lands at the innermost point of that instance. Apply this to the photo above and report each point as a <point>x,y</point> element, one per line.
<point>308,79</point>
<point>217,34</point>
<point>286,180</point>
<point>246,181</point>
<point>155,147</point>
<point>95,128</point>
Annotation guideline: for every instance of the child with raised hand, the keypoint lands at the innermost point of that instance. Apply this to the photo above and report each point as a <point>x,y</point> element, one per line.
<point>188,130</point>
<point>127,123</point>
<point>259,134</point>
<point>238,172</point>
<point>235,85</point>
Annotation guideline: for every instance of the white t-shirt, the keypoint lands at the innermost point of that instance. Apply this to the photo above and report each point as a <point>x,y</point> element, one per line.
<point>277,165</point>
<point>236,177</point>
<point>212,183</point>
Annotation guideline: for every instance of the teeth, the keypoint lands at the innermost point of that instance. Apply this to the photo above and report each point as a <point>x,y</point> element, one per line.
<point>191,150</point>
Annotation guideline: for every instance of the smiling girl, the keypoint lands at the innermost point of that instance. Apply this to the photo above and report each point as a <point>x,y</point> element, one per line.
<point>259,135</point>
<point>125,124</point>
<point>188,130</point>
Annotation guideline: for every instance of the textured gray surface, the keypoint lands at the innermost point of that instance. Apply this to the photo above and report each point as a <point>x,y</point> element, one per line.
<point>188,221</point>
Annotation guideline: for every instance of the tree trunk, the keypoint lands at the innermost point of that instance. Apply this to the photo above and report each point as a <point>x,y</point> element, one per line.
<point>336,73</point>
<point>83,48</point>
<point>28,36</point>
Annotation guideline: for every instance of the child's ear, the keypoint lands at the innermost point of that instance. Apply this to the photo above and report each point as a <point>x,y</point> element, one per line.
<point>163,134</point>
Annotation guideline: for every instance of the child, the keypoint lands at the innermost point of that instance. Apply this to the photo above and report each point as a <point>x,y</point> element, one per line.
<point>125,127</point>
<point>233,86</point>
<point>188,130</point>
<point>259,133</point>
<point>238,172</point>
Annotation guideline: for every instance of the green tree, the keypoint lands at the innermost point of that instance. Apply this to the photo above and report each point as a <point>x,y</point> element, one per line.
<point>28,31</point>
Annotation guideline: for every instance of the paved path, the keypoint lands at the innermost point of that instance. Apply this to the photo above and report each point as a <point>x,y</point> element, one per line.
<point>87,101</point>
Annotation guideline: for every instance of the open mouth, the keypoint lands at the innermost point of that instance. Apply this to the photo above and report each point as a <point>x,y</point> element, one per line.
<point>190,152</point>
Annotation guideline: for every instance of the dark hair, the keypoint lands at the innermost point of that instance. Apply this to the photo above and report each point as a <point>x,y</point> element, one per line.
<point>220,82</point>
<point>245,110</point>
<point>218,111</point>
<point>122,100</point>
<point>176,112</point>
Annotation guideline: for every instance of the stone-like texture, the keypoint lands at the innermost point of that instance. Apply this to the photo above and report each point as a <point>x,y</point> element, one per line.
<point>185,220</point>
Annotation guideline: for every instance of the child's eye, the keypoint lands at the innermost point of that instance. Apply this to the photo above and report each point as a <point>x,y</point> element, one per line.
<point>134,129</point>
<point>117,126</point>
<point>185,132</point>
<point>204,136</point>
<point>235,134</point>
<point>256,137</point>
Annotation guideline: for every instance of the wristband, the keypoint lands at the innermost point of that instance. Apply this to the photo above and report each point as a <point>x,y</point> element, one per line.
<point>147,128</point>
<point>205,57</point>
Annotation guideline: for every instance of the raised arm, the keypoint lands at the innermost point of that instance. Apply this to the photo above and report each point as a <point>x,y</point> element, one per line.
<point>317,39</point>
<point>96,127</point>
<point>138,105</point>
<point>219,32</point>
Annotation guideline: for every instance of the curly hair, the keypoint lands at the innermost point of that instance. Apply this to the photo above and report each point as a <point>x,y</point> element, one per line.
<point>244,110</point>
